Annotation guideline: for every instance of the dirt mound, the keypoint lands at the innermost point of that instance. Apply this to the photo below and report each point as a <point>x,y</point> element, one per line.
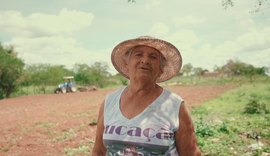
<point>57,124</point>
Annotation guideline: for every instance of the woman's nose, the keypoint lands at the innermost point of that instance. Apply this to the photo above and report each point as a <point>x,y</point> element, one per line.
<point>144,60</point>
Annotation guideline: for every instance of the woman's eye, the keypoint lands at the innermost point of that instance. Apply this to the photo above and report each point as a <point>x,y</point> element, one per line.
<point>138,54</point>
<point>153,56</point>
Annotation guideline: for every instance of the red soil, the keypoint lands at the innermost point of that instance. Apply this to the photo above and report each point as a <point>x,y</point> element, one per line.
<point>53,123</point>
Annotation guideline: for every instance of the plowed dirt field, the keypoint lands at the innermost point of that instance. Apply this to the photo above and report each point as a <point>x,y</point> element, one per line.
<point>59,124</point>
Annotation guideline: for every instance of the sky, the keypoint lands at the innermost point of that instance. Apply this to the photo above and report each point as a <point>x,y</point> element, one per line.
<point>69,32</point>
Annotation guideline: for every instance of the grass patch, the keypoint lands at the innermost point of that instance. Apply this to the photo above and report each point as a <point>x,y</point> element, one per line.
<point>33,90</point>
<point>45,125</point>
<point>115,82</point>
<point>4,149</point>
<point>83,149</point>
<point>66,135</point>
<point>80,114</point>
<point>225,127</point>
<point>200,80</point>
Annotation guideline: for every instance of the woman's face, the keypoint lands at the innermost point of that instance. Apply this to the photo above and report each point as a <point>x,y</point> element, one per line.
<point>144,63</point>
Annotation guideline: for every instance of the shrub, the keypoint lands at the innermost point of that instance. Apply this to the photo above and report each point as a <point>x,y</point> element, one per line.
<point>255,106</point>
<point>223,128</point>
<point>203,129</point>
<point>93,123</point>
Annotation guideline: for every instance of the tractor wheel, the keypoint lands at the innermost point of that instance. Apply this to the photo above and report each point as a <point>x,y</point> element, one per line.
<point>57,91</point>
<point>73,89</point>
<point>63,90</point>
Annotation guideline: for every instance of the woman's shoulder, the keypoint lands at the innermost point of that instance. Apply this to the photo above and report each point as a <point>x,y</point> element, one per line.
<point>173,95</point>
<point>116,91</point>
<point>114,94</point>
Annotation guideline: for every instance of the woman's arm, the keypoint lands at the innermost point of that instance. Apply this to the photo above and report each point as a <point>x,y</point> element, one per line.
<point>99,148</point>
<point>186,142</point>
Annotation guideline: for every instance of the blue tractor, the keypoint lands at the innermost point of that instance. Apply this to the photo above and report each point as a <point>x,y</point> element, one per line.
<point>69,86</point>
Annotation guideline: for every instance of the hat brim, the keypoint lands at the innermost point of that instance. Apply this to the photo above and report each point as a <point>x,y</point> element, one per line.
<point>171,54</point>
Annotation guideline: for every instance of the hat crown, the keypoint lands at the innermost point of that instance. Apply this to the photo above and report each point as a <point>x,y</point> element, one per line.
<point>170,52</point>
<point>146,37</point>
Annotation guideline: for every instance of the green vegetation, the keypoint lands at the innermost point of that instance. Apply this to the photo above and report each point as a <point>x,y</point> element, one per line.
<point>77,151</point>
<point>11,68</point>
<point>259,5</point>
<point>236,123</point>
<point>17,79</point>
<point>222,80</point>
<point>67,134</point>
<point>96,74</point>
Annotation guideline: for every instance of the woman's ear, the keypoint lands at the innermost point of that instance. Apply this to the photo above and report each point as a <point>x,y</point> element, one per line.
<point>127,69</point>
<point>160,71</point>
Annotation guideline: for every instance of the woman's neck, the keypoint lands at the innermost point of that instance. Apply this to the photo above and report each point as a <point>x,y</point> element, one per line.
<point>142,88</point>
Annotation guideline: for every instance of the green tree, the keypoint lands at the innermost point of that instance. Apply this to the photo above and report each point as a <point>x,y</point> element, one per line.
<point>82,73</point>
<point>186,69</point>
<point>259,5</point>
<point>198,71</point>
<point>11,68</point>
<point>100,74</point>
<point>43,75</point>
<point>122,79</point>
<point>96,74</point>
<point>235,67</point>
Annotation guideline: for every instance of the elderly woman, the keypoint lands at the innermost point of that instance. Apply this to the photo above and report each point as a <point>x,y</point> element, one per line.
<point>144,118</point>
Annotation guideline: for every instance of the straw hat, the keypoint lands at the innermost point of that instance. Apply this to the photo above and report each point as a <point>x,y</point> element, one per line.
<point>173,59</point>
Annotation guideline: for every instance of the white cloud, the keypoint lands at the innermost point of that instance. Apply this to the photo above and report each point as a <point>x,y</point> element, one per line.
<point>205,37</point>
<point>39,24</point>
<point>255,38</point>
<point>159,29</point>
<point>251,47</point>
<point>55,50</point>
<point>184,39</point>
<point>248,43</point>
<point>153,4</point>
<point>156,2</point>
<point>188,20</point>
<point>47,38</point>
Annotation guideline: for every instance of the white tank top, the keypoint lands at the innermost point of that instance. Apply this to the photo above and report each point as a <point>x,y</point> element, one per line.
<point>149,133</point>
